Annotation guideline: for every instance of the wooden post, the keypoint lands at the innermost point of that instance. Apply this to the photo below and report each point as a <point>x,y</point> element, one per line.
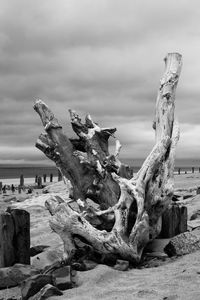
<point>192,169</point>
<point>179,171</point>
<point>1,185</point>
<point>174,221</point>
<point>59,175</point>
<point>51,177</point>
<point>39,182</point>
<point>44,178</point>
<point>19,189</point>
<point>21,241</point>
<point>22,180</point>
<point>36,178</point>
<point>7,251</point>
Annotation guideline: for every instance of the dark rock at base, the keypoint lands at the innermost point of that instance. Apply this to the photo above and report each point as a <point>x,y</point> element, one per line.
<point>61,278</point>
<point>37,249</point>
<point>33,285</point>
<point>121,265</point>
<point>14,275</point>
<point>47,291</point>
<point>183,243</point>
<point>89,264</point>
<point>195,215</point>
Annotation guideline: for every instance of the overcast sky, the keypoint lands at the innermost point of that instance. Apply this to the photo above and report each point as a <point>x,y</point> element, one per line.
<point>99,56</point>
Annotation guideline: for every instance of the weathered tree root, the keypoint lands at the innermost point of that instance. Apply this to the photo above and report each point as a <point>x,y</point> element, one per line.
<point>133,205</point>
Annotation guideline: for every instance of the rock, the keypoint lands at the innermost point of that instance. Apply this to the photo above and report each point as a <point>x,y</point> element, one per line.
<point>32,285</point>
<point>183,243</point>
<point>61,278</point>
<point>37,249</point>
<point>12,276</point>
<point>89,264</point>
<point>121,265</point>
<point>47,291</point>
<point>47,258</point>
<point>195,215</point>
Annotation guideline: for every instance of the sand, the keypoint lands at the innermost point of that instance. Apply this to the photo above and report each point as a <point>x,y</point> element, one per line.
<point>177,279</point>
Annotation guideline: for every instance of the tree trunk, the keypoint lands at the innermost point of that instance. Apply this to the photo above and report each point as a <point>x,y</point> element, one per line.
<point>131,205</point>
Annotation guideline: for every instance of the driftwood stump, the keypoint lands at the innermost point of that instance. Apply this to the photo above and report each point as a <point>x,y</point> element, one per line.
<point>14,237</point>
<point>130,206</point>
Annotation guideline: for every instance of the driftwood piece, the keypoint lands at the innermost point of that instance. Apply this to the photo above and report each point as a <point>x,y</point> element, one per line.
<point>134,204</point>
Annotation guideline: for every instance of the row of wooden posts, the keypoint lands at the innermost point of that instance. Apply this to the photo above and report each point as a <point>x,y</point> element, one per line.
<point>183,171</point>
<point>39,180</point>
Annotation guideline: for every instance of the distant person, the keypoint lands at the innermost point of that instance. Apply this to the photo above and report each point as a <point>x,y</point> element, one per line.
<point>12,188</point>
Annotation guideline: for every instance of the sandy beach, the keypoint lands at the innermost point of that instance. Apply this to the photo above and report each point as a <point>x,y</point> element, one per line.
<point>171,279</point>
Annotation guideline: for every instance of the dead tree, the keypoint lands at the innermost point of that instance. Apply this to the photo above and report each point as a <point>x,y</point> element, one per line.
<point>130,206</point>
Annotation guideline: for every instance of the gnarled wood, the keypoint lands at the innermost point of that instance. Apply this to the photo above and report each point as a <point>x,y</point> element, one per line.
<point>132,204</point>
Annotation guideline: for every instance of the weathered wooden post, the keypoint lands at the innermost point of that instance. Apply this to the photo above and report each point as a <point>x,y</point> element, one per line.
<point>44,178</point>
<point>39,182</point>
<point>192,169</point>
<point>179,171</point>
<point>1,185</point>
<point>36,179</point>
<point>174,221</point>
<point>19,189</point>
<point>7,251</point>
<point>22,180</point>
<point>21,241</point>
<point>14,237</point>
<point>51,177</point>
<point>59,175</point>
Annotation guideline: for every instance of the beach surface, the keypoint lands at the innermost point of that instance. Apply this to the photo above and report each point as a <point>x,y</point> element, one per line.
<point>177,278</point>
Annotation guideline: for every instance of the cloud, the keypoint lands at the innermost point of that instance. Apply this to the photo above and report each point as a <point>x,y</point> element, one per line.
<point>103,57</point>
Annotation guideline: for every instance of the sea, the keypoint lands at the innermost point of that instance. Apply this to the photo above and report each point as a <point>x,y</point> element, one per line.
<point>10,172</point>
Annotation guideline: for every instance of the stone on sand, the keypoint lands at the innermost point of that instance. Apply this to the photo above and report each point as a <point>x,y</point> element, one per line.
<point>183,243</point>
<point>33,285</point>
<point>12,276</point>
<point>47,291</point>
<point>121,265</point>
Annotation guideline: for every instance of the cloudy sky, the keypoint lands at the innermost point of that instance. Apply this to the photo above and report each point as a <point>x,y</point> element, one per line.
<point>99,56</point>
